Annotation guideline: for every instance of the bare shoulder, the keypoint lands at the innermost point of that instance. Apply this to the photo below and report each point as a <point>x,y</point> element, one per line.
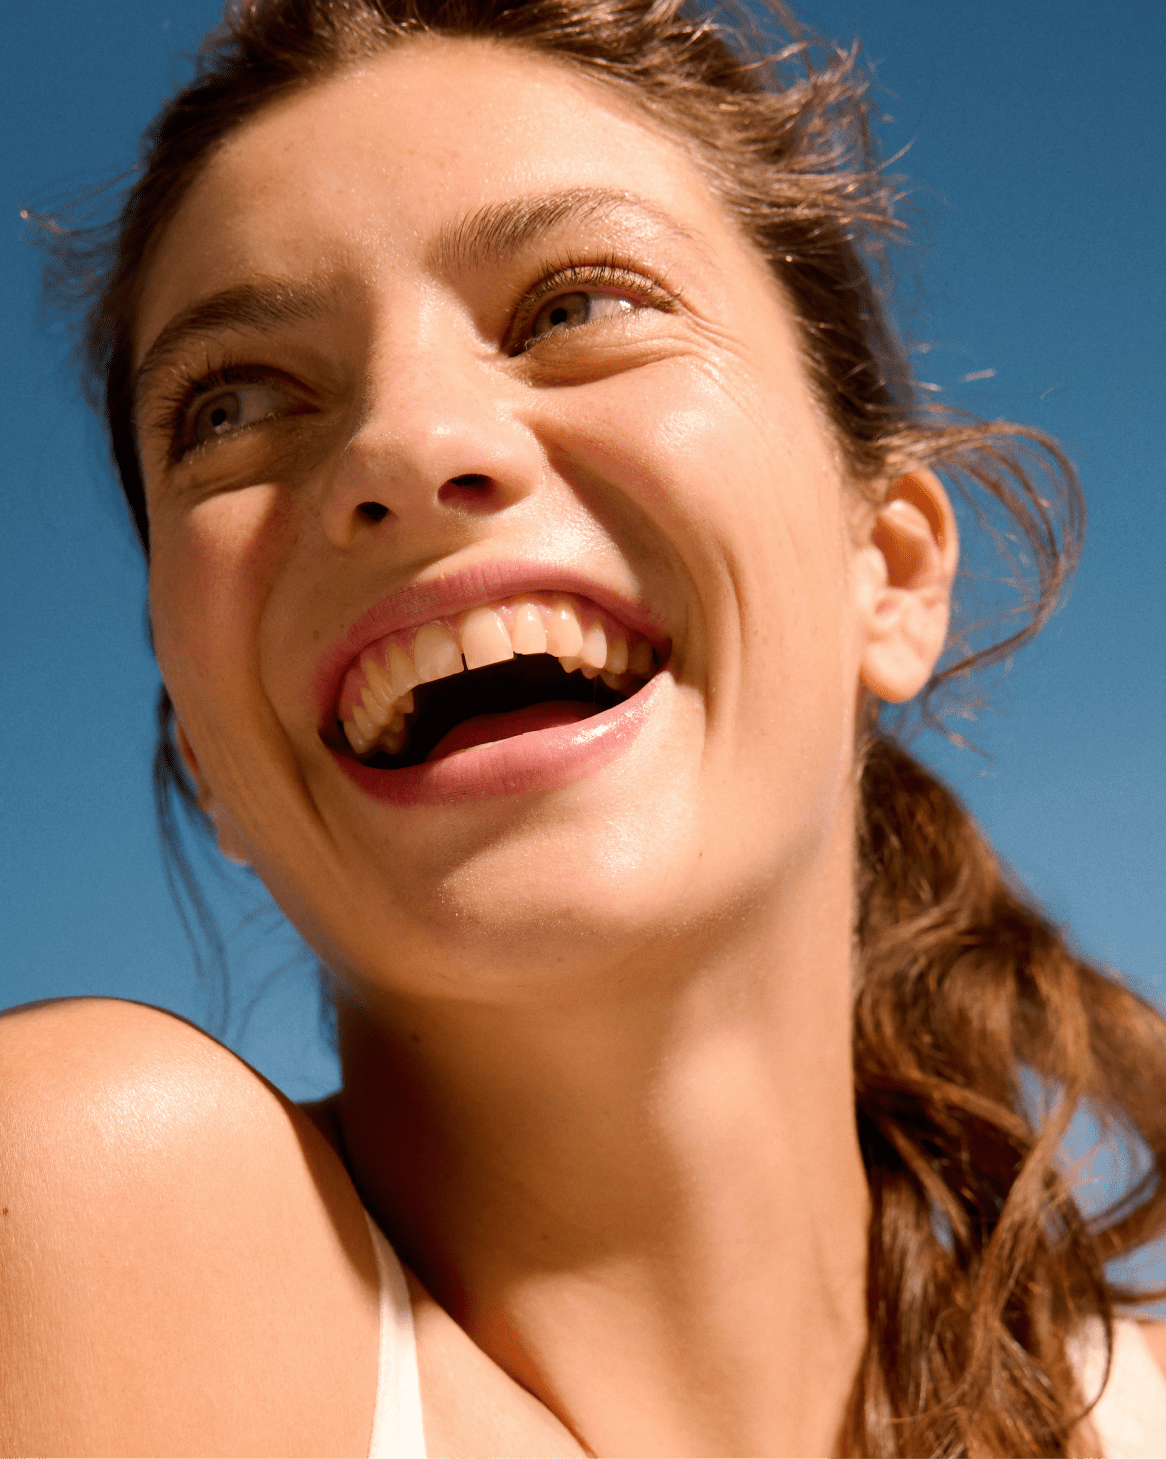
<point>1155,1335</point>
<point>185,1263</point>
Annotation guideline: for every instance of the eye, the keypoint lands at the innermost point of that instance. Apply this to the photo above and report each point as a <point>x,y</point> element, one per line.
<point>581,306</point>
<point>586,293</point>
<point>228,411</point>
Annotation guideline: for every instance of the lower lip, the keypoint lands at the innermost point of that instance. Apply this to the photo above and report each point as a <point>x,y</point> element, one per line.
<point>539,760</point>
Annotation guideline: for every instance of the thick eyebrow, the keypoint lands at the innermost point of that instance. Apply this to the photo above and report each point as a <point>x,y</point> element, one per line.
<point>491,233</point>
<point>265,304</point>
<point>498,230</point>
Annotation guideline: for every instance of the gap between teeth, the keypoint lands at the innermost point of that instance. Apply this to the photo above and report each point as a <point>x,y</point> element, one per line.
<point>378,718</point>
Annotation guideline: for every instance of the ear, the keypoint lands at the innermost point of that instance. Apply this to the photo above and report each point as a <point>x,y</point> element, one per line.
<point>905,575</point>
<point>227,837</point>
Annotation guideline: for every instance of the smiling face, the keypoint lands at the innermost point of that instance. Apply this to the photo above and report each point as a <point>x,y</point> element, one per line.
<point>454,358</point>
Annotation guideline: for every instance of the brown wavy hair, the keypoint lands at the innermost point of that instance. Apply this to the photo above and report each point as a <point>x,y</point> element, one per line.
<point>978,1032</point>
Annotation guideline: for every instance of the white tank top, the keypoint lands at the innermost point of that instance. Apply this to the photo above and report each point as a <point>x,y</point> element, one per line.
<point>1130,1416</point>
<point>397,1430</point>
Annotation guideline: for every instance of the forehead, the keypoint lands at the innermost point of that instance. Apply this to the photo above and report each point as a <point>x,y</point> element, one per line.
<point>363,171</point>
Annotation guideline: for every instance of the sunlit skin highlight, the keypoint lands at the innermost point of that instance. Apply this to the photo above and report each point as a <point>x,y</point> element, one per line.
<point>596,1039</point>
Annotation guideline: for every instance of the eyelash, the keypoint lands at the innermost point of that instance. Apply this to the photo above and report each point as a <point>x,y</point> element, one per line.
<point>568,276</point>
<point>174,418</point>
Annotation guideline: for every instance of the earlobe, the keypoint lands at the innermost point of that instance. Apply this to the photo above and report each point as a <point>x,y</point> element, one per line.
<point>904,597</point>
<point>227,839</point>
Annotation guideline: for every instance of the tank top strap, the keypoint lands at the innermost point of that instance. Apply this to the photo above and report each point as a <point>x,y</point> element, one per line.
<point>397,1428</point>
<point>1129,1417</point>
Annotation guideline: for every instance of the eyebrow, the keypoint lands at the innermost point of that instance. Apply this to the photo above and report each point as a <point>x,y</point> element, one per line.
<point>265,304</point>
<point>493,232</point>
<point>500,229</point>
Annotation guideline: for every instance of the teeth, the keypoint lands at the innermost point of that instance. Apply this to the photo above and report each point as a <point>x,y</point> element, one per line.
<point>404,674</point>
<point>640,659</point>
<point>564,636</point>
<point>374,710</point>
<point>484,639</point>
<point>378,682</point>
<point>392,740</point>
<point>528,633</point>
<point>594,654</point>
<point>378,718</point>
<point>366,726</point>
<point>435,653</point>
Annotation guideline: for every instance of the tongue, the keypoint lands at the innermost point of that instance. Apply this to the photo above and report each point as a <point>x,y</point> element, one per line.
<point>484,729</point>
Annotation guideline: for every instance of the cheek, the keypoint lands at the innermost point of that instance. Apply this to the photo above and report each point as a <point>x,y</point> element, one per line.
<point>211,570</point>
<point>739,477</point>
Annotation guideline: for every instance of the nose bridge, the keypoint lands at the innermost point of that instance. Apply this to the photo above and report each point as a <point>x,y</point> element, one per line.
<point>423,388</point>
<point>437,431</point>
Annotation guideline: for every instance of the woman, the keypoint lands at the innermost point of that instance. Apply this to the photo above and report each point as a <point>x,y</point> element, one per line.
<point>537,515</point>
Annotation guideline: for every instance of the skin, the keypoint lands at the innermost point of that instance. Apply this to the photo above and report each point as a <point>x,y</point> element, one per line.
<point>595,1041</point>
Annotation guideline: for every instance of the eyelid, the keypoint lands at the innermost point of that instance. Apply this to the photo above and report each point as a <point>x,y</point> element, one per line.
<point>602,276</point>
<point>174,417</point>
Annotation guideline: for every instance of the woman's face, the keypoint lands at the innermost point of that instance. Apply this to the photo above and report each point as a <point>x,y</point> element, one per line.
<point>459,331</point>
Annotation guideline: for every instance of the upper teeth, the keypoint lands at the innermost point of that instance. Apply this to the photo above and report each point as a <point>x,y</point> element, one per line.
<point>487,635</point>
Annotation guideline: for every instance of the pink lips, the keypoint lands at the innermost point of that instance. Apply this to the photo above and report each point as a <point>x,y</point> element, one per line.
<point>446,596</point>
<point>538,759</point>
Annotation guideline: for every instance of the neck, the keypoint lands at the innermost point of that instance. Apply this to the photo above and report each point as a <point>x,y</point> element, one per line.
<point>643,1198</point>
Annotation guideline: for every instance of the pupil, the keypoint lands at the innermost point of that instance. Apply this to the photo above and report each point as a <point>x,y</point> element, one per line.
<point>218,417</point>
<point>563,313</point>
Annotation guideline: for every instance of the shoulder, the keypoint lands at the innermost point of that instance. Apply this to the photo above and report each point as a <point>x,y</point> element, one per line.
<point>56,1048</point>
<point>95,1091</point>
<point>1155,1336</point>
<point>185,1263</point>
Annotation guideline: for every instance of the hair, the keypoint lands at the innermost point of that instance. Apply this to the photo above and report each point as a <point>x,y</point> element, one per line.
<point>981,1264</point>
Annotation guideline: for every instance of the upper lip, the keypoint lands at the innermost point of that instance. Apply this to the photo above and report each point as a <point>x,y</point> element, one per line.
<point>455,592</point>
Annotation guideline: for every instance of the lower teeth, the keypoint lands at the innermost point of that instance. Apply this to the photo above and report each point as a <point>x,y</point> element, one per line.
<point>495,688</point>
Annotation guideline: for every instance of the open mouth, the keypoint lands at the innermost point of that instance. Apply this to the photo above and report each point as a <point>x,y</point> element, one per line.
<point>507,669</point>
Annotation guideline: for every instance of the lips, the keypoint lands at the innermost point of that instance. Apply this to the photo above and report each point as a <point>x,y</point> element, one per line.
<point>473,700</point>
<point>457,592</point>
<point>538,760</point>
<point>412,687</point>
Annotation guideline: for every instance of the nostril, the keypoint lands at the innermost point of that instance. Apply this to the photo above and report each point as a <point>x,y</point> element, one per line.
<point>374,511</point>
<point>471,491</point>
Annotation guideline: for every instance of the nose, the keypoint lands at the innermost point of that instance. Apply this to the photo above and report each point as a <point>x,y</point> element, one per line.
<point>439,440</point>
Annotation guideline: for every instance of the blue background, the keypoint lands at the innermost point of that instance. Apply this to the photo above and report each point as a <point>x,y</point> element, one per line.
<point>1035,135</point>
